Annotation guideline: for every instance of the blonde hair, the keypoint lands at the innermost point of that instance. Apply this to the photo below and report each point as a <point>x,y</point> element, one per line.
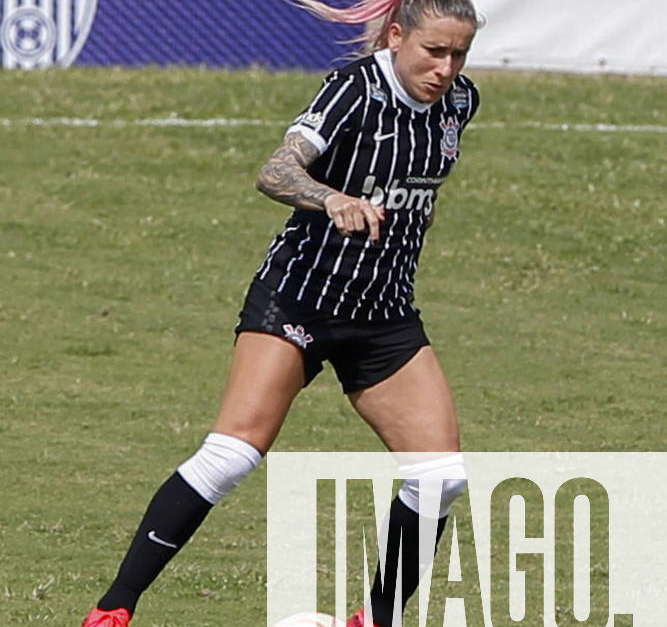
<point>407,13</point>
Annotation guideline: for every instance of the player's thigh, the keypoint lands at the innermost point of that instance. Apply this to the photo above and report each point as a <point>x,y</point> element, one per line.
<point>266,374</point>
<point>413,409</point>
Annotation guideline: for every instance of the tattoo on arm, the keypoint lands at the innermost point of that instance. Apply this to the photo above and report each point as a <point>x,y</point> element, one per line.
<point>284,177</point>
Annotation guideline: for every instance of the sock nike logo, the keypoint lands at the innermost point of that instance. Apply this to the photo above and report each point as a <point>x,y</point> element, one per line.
<point>153,537</point>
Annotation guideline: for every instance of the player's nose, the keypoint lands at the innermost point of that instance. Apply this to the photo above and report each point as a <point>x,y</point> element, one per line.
<point>445,67</point>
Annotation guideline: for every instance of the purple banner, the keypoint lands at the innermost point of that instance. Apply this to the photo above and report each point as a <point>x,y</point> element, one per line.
<point>228,33</point>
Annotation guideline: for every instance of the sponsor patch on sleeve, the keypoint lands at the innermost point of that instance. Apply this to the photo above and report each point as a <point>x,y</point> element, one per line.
<point>310,119</point>
<point>460,98</point>
<point>378,94</point>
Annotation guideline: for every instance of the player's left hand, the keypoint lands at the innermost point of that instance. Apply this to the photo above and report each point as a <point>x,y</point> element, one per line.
<point>352,215</point>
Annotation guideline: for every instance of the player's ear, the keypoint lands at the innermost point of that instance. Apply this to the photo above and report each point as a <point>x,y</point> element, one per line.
<point>394,36</point>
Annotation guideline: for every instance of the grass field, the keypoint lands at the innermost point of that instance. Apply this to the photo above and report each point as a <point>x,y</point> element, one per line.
<point>125,251</point>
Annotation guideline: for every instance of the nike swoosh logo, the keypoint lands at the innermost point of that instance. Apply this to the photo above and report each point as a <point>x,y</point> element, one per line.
<point>380,138</point>
<point>153,537</point>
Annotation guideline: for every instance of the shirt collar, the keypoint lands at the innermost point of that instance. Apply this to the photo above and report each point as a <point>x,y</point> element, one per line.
<point>384,60</point>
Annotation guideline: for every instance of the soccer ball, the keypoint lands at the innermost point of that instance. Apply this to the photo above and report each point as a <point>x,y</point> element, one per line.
<point>310,619</point>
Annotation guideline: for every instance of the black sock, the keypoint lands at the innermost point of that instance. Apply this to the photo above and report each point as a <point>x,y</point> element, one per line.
<point>173,515</point>
<point>401,519</point>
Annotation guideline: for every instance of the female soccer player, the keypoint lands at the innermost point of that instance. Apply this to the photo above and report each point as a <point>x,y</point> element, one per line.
<point>361,167</point>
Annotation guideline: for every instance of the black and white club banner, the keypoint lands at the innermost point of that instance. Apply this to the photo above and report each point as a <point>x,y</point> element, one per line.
<point>41,33</point>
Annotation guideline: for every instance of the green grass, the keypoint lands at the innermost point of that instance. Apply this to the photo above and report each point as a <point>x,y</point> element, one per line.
<point>125,254</point>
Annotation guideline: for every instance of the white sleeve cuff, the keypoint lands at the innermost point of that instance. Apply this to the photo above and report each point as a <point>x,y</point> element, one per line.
<point>312,136</point>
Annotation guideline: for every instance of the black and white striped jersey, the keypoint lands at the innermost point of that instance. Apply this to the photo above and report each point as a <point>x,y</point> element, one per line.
<point>376,142</point>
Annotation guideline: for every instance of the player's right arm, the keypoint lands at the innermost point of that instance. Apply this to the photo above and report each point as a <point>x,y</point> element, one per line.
<point>284,178</point>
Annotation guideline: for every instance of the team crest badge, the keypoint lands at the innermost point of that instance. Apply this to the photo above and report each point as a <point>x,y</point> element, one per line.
<point>450,138</point>
<point>41,33</point>
<point>297,335</point>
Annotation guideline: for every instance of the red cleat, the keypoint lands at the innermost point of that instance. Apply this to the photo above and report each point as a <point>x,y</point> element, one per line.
<point>107,618</point>
<point>357,620</point>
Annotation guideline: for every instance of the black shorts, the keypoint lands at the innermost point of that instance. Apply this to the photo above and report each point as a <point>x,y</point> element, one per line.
<point>362,353</point>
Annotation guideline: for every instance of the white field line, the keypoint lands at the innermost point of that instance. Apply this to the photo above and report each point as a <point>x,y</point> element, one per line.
<point>244,122</point>
<point>565,127</point>
<point>160,122</point>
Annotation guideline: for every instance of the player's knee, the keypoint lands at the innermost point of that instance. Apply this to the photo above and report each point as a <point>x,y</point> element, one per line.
<point>440,482</point>
<point>249,424</point>
<point>219,465</point>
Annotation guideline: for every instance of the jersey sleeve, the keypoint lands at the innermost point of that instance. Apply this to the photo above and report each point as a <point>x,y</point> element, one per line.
<point>468,100</point>
<point>334,110</point>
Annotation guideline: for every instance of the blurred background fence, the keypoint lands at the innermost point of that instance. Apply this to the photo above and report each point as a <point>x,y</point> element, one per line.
<point>567,35</point>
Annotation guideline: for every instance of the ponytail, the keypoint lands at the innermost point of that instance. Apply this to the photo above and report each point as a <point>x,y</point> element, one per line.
<point>407,13</point>
<point>359,13</point>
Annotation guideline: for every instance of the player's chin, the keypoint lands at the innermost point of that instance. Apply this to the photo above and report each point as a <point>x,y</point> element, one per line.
<point>430,93</point>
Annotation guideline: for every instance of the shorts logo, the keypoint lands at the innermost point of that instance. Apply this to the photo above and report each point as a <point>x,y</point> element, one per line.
<point>297,335</point>
<point>450,138</point>
<point>44,32</point>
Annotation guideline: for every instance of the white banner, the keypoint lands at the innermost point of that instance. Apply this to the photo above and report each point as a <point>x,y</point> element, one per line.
<point>617,36</point>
